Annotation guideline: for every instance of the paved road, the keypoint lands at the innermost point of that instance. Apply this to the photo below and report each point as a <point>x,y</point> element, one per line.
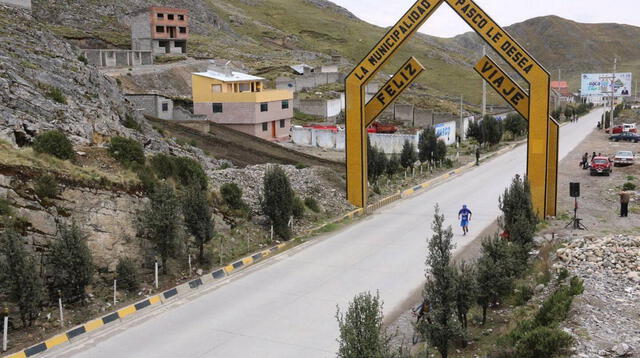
<point>286,307</point>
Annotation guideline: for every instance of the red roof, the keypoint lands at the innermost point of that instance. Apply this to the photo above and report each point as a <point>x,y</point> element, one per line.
<point>559,84</point>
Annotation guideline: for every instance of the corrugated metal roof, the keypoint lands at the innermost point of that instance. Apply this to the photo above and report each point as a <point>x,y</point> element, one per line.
<point>234,77</point>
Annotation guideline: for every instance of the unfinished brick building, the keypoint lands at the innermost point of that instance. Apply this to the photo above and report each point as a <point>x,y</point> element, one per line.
<point>162,30</point>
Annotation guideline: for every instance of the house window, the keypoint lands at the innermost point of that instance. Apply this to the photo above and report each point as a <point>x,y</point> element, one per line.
<point>282,123</point>
<point>216,107</point>
<point>285,104</point>
<point>264,107</point>
<point>170,17</point>
<point>165,107</point>
<point>183,30</point>
<point>216,88</point>
<point>181,17</point>
<point>161,16</point>
<point>265,126</point>
<point>159,28</point>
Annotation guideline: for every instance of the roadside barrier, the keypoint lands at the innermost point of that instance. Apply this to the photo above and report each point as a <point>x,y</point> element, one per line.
<point>109,319</point>
<point>223,272</point>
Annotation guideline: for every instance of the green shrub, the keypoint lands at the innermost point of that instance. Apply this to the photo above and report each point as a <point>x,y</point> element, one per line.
<point>301,166</point>
<point>163,165</point>
<point>190,172</point>
<point>563,274</point>
<point>555,308</point>
<point>543,342</point>
<point>523,295</point>
<point>576,286</point>
<point>56,94</point>
<point>126,151</point>
<point>46,187</point>
<point>312,204</point>
<point>277,200</point>
<point>193,143</point>
<point>298,207</point>
<point>232,195</point>
<point>628,186</point>
<point>131,123</point>
<point>55,143</point>
<point>5,208</point>
<point>127,275</point>
<point>83,59</point>
<point>147,179</point>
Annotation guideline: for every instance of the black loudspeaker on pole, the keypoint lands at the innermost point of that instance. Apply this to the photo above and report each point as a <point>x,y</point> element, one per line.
<point>574,190</point>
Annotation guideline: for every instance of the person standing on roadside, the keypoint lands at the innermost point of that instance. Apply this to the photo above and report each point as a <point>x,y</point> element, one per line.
<point>625,197</point>
<point>585,160</point>
<point>477,156</point>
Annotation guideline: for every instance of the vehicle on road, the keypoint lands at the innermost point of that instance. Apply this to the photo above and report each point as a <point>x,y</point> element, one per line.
<point>623,157</point>
<point>600,165</point>
<point>625,127</point>
<point>625,136</point>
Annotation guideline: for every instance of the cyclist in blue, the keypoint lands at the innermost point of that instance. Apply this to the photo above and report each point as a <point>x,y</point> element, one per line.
<point>464,215</point>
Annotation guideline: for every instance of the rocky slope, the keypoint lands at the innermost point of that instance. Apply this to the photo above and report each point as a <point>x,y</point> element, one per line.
<point>605,322</point>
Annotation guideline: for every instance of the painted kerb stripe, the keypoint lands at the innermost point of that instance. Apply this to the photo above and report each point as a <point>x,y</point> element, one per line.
<point>195,283</point>
<point>172,292</point>
<point>143,304</point>
<point>38,348</point>
<point>56,340</point>
<point>76,332</point>
<point>110,318</point>
<point>218,274</point>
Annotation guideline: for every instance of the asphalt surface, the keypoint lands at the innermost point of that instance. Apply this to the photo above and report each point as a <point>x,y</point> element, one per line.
<point>286,306</point>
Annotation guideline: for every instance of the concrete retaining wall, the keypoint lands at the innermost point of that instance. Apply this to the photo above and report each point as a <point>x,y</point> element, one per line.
<point>117,58</point>
<point>324,138</point>
<point>310,80</point>
<point>323,108</point>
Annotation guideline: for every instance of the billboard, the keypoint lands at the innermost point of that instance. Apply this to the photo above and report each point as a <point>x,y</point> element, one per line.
<point>446,132</point>
<point>599,84</point>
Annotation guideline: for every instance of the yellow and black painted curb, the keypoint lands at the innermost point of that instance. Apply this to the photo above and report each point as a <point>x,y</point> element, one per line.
<point>160,298</point>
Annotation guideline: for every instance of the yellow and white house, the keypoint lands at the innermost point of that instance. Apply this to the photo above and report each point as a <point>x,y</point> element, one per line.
<point>240,101</point>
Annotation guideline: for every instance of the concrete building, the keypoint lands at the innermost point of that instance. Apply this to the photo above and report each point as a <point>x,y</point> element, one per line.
<point>240,101</point>
<point>117,58</point>
<point>153,105</point>
<point>17,3</point>
<point>162,30</point>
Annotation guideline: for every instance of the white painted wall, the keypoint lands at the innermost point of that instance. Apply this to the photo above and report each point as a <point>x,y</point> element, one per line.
<point>334,106</point>
<point>392,143</point>
<point>447,132</point>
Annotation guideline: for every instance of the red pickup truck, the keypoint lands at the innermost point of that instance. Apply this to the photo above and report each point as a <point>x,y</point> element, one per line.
<point>600,165</point>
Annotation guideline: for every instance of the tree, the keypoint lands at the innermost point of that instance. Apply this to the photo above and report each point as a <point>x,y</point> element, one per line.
<point>465,290</point>
<point>197,217</point>
<point>20,277</point>
<point>518,219</point>
<point>439,290</point>
<point>71,264</point>
<point>515,124</point>
<point>427,143</point>
<point>232,195</point>
<point>55,143</point>
<point>493,273</point>
<point>568,112</point>
<point>393,165</point>
<point>441,151</point>
<point>491,129</point>
<point>474,131</point>
<point>361,331</point>
<point>277,203</point>
<point>160,222</point>
<point>127,275</point>
<point>408,155</point>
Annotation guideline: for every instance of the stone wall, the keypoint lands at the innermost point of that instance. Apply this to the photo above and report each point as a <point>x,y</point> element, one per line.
<point>331,139</point>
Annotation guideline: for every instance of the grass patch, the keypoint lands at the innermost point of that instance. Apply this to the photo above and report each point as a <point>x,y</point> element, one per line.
<point>169,59</point>
<point>27,158</point>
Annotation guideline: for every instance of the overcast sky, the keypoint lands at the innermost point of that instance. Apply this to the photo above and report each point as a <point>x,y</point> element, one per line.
<point>445,23</point>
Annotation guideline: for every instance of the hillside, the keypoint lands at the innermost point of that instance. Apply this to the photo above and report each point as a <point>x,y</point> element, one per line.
<point>271,33</point>
<point>572,47</point>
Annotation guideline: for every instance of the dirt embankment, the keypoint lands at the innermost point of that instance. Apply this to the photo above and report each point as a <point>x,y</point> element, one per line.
<point>243,149</point>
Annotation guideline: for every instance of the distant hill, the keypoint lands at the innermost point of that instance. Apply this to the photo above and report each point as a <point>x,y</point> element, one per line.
<point>572,47</point>
<point>272,33</point>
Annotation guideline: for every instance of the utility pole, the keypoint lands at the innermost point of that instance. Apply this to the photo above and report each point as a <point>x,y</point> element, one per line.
<point>484,88</point>
<point>636,90</point>
<point>559,74</point>
<point>613,91</point>
<point>461,109</point>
